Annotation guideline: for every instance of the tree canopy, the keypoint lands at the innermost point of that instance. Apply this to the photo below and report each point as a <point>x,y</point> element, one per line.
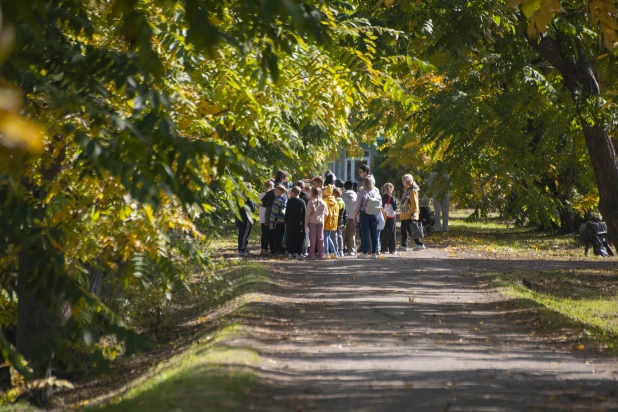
<point>128,129</point>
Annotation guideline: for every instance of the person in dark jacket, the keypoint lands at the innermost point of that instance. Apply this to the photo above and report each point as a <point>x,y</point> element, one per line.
<point>277,218</point>
<point>388,236</point>
<point>295,223</point>
<point>244,223</point>
<point>304,196</point>
<point>281,178</point>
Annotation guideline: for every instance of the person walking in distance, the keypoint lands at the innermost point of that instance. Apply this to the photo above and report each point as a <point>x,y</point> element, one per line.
<point>439,185</point>
<point>410,215</point>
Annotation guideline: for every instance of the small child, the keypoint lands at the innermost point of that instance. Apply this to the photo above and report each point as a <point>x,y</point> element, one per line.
<point>265,212</point>
<point>244,224</point>
<point>277,218</point>
<point>318,182</point>
<point>349,234</point>
<point>337,235</point>
<point>314,220</point>
<point>388,236</point>
<point>295,223</point>
<point>330,224</point>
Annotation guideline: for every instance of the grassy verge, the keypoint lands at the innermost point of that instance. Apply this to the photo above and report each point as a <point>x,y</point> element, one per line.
<point>574,305</point>
<point>211,376</point>
<point>496,238</point>
<point>192,368</point>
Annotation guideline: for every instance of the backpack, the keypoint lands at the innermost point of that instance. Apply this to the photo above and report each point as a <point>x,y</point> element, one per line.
<point>374,206</point>
<point>342,213</point>
<point>388,208</point>
<point>594,232</point>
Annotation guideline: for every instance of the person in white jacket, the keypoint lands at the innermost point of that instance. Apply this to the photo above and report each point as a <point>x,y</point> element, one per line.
<point>349,232</point>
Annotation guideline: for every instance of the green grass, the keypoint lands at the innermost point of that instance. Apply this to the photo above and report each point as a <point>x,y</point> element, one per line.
<point>206,376</point>
<point>227,239</point>
<point>496,237</point>
<point>209,377</point>
<point>583,302</point>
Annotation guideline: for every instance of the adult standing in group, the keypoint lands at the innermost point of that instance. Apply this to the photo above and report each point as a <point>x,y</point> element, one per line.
<point>439,185</point>
<point>364,172</point>
<point>281,178</point>
<point>410,215</point>
<point>368,202</point>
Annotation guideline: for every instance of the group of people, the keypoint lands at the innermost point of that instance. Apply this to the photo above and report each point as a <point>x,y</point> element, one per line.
<point>319,218</point>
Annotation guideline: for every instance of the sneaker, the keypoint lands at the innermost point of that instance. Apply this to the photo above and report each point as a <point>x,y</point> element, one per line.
<point>290,256</point>
<point>326,256</point>
<point>334,256</point>
<point>301,256</point>
<point>419,247</point>
<point>402,249</point>
<point>374,256</point>
<point>394,253</point>
<point>379,253</point>
<point>353,254</point>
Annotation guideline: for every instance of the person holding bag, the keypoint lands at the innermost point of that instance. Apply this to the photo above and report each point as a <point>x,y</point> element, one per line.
<point>410,215</point>
<point>368,206</point>
<point>388,236</point>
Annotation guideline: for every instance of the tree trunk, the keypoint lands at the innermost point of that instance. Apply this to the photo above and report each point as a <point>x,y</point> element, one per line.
<point>580,79</point>
<point>35,324</point>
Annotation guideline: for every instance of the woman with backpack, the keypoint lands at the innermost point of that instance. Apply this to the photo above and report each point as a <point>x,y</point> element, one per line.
<point>388,236</point>
<point>410,215</point>
<point>368,205</point>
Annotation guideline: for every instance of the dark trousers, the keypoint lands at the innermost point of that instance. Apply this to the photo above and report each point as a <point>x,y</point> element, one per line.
<point>406,230</point>
<point>244,230</point>
<point>264,239</point>
<point>369,223</point>
<point>388,236</point>
<point>279,232</point>
<point>296,237</point>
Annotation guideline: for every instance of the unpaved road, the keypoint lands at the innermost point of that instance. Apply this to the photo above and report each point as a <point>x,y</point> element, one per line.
<point>412,332</point>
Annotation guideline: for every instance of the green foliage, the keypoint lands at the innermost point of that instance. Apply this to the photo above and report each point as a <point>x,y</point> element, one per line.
<point>129,131</point>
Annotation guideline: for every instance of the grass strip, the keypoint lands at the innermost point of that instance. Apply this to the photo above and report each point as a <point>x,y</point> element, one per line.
<point>584,302</point>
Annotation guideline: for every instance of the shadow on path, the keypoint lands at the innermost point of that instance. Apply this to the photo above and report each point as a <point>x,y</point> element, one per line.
<point>411,333</point>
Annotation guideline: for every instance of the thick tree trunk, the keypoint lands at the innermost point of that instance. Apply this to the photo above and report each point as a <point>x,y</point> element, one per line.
<point>35,324</point>
<point>580,78</point>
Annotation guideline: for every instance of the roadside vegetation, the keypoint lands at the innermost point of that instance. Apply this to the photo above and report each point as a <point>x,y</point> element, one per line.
<point>495,237</point>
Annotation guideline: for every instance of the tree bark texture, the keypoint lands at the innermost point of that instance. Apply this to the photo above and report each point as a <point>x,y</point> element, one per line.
<point>581,80</point>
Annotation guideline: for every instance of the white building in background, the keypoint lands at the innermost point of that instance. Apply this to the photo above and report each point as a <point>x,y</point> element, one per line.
<point>346,165</point>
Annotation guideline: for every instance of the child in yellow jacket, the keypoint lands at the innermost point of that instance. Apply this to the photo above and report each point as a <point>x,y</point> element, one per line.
<point>330,223</point>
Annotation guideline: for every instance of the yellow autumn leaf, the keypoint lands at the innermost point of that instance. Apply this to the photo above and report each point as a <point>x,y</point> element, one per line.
<point>15,131</point>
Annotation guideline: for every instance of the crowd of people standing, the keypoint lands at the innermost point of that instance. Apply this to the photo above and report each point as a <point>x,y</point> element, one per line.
<point>319,218</point>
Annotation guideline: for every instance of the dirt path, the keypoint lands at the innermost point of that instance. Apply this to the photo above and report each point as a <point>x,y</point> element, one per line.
<point>412,332</point>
